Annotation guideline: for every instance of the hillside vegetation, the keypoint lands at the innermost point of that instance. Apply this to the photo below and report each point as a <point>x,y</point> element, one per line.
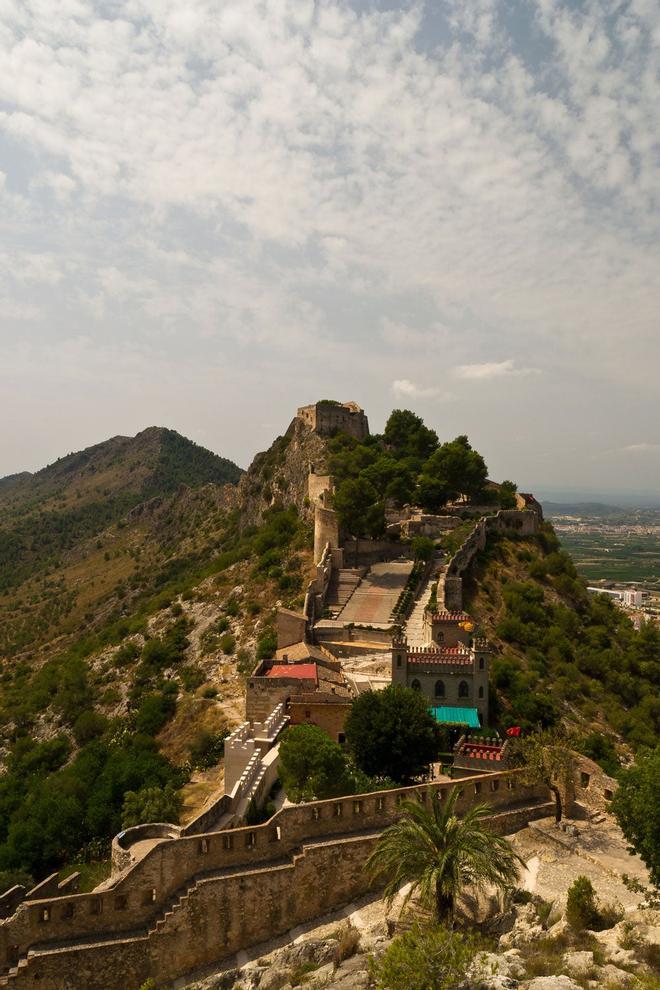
<point>69,545</point>
<point>140,580</point>
<point>561,652</point>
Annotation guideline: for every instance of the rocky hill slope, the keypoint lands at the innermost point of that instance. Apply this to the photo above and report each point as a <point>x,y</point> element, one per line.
<point>139,583</point>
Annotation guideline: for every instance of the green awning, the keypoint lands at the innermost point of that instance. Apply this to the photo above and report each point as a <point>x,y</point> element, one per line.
<point>456,716</point>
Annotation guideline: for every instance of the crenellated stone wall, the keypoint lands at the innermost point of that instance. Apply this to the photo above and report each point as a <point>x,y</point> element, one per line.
<point>198,899</point>
<point>522,522</point>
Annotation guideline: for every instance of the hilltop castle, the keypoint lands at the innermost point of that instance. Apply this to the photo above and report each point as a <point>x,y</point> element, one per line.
<point>327,417</point>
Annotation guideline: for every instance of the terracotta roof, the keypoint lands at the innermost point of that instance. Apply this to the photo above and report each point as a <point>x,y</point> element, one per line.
<point>300,671</point>
<point>300,651</point>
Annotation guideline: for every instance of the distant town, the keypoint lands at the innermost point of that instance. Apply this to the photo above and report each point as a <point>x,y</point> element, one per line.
<point>617,551</point>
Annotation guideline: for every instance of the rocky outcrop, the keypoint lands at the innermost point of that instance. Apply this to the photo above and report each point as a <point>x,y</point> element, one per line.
<point>280,474</point>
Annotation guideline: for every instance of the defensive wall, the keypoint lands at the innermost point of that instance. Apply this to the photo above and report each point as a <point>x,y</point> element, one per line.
<point>198,899</point>
<point>593,787</point>
<point>522,522</point>
<point>317,589</point>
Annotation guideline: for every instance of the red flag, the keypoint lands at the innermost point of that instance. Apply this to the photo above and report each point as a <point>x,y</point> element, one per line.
<point>514,730</point>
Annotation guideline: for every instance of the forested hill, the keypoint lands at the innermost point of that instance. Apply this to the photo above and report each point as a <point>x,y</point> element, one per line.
<point>71,534</point>
<point>156,461</point>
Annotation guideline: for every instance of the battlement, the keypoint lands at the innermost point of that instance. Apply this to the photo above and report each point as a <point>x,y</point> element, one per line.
<point>184,905</point>
<point>328,416</point>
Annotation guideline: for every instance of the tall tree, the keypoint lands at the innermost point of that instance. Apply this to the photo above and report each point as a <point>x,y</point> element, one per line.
<point>391,733</point>
<point>440,854</point>
<point>359,509</point>
<point>406,434</point>
<point>636,805</point>
<point>458,468</point>
<point>312,766</point>
<point>546,757</point>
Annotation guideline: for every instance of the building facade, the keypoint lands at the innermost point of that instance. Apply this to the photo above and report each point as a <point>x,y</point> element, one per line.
<point>451,669</point>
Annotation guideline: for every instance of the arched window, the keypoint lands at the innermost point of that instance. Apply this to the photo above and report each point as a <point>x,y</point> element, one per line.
<point>464,690</point>
<point>481,663</point>
<point>481,692</point>
<point>416,686</point>
<point>439,689</point>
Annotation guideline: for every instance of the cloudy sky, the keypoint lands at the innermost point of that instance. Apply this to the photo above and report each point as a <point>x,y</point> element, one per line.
<point>214,211</point>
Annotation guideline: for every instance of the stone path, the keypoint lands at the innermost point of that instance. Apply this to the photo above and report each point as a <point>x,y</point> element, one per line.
<point>376,595</point>
<point>415,624</point>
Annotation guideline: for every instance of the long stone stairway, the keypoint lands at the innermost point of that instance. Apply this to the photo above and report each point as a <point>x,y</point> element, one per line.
<point>415,624</point>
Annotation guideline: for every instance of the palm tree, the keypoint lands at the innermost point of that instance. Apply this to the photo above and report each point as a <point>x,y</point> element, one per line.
<point>440,854</point>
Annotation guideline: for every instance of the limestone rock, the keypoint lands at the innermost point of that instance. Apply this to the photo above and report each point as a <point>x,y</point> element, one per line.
<point>351,981</point>
<point>314,950</point>
<point>613,976</point>
<point>494,970</point>
<point>579,963</point>
<point>526,928</point>
<point>552,983</point>
<point>274,978</point>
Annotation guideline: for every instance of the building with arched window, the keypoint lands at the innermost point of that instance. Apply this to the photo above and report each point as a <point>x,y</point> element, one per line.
<point>451,670</point>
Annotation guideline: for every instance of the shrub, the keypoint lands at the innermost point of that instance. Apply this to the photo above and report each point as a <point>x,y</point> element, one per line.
<point>425,959</point>
<point>348,942</point>
<point>151,804</point>
<point>246,662</point>
<point>191,677</point>
<point>227,644</point>
<point>125,655</point>
<point>266,645</point>
<point>581,907</point>
<point>207,748</point>
<point>154,711</point>
<point>89,725</point>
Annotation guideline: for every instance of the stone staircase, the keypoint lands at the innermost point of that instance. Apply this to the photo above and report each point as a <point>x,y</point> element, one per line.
<point>343,583</point>
<point>415,624</point>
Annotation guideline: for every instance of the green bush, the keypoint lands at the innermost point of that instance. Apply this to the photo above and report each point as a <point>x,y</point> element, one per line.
<point>227,644</point>
<point>207,748</point>
<point>266,645</point>
<point>89,725</point>
<point>151,804</point>
<point>425,959</point>
<point>312,766</point>
<point>581,907</point>
<point>154,712</point>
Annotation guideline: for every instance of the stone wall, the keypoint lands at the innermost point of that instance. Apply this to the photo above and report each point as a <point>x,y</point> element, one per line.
<point>291,627</point>
<point>523,522</point>
<point>326,530</point>
<point>328,714</point>
<point>327,418</point>
<point>593,787</point>
<point>198,899</point>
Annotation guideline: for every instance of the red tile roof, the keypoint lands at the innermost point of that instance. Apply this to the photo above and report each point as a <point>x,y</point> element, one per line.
<point>301,671</point>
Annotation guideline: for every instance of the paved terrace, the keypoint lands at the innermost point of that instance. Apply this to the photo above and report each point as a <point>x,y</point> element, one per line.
<point>373,600</point>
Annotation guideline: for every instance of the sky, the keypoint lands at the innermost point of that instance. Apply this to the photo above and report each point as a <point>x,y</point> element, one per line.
<point>215,211</point>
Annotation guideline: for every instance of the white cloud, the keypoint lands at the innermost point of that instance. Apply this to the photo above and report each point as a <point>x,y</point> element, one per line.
<point>294,178</point>
<point>404,388</point>
<point>492,369</point>
<point>640,448</point>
